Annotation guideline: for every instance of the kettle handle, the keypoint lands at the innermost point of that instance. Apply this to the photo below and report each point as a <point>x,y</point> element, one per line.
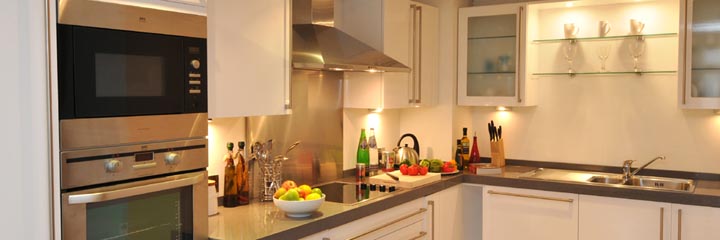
<point>416,144</point>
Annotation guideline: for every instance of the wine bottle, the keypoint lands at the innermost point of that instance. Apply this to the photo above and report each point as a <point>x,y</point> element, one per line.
<point>475,153</point>
<point>465,144</point>
<point>230,199</point>
<point>241,175</point>
<point>458,155</point>
<point>363,152</point>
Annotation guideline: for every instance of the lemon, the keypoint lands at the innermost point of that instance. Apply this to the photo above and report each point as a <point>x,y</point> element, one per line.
<point>279,193</point>
<point>317,190</point>
<point>313,196</point>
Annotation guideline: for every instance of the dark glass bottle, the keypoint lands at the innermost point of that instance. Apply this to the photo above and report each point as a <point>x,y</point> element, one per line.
<point>241,175</point>
<point>458,155</point>
<point>465,144</point>
<point>230,199</point>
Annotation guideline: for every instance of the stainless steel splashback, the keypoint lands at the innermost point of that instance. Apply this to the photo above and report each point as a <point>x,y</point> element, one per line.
<point>316,121</point>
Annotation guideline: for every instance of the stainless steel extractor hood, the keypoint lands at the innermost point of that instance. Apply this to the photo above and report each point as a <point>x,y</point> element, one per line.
<point>317,45</point>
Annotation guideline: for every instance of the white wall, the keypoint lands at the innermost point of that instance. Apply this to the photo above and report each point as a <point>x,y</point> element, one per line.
<point>386,131</point>
<point>25,142</point>
<point>220,132</point>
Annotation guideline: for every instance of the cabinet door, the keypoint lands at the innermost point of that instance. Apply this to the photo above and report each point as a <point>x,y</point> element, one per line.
<point>700,76</point>
<point>605,218</point>
<point>694,222</point>
<point>510,213</point>
<point>249,58</point>
<point>446,212</point>
<point>491,55</point>
<point>400,222</point>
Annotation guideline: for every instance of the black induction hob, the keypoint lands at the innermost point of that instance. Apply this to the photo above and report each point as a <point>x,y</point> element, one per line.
<point>351,193</point>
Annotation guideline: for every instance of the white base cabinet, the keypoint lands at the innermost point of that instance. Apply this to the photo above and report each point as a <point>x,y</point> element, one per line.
<point>695,222</point>
<point>511,213</point>
<point>406,221</point>
<point>603,218</point>
<point>447,209</point>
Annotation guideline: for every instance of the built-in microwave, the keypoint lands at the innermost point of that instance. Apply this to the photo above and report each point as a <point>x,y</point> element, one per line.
<point>137,64</point>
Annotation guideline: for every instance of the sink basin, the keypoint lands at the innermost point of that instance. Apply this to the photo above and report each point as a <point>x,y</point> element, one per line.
<point>612,180</point>
<point>672,184</point>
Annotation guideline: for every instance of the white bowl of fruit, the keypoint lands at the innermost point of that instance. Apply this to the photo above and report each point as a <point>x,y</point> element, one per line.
<point>298,201</point>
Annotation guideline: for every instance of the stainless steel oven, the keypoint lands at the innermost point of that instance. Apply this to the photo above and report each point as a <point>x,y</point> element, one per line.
<point>170,207</point>
<point>133,122</point>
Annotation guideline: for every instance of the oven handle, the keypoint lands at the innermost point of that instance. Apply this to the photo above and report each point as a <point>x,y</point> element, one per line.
<point>133,191</point>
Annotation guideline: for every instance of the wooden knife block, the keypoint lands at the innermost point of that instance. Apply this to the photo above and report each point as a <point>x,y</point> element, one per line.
<point>497,153</point>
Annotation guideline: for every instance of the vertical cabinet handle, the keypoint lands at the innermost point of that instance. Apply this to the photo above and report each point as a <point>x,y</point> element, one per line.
<point>684,53</point>
<point>419,56</point>
<point>679,224</point>
<point>432,219</point>
<point>662,223</point>
<point>288,54</point>
<point>413,14</point>
<point>519,52</point>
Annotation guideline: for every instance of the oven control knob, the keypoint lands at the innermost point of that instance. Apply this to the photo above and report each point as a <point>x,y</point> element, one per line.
<point>195,63</point>
<point>172,158</point>
<point>112,165</point>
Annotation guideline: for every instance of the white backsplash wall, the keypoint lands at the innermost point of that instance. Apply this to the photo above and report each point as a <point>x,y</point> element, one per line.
<point>386,131</point>
<point>606,120</point>
<point>220,132</point>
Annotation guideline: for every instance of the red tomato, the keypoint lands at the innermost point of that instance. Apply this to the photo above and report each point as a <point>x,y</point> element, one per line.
<point>413,170</point>
<point>404,169</point>
<point>422,171</point>
<point>448,169</point>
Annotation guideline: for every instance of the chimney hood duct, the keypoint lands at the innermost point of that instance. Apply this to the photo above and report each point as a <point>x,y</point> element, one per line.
<point>317,45</point>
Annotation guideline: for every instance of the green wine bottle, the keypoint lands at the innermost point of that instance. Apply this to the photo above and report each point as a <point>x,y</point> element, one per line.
<point>363,152</point>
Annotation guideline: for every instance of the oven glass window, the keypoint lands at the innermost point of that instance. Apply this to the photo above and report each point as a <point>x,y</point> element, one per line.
<point>123,75</point>
<point>159,215</point>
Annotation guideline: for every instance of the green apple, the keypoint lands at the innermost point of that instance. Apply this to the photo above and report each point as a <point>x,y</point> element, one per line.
<point>292,195</point>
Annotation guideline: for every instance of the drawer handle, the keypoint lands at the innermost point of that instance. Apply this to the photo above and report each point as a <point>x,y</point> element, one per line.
<point>568,200</point>
<point>418,212</point>
<point>419,236</point>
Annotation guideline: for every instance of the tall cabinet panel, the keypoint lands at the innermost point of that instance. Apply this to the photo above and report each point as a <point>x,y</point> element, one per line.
<point>491,53</point>
<point>249,45</point>
<point>700,81</point>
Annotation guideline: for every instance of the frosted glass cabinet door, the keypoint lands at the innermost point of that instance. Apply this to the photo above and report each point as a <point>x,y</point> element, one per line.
<point>700,87</point>
<point>489,54</point>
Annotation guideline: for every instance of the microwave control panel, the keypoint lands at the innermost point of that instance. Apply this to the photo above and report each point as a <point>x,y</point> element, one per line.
<point>196,75</point>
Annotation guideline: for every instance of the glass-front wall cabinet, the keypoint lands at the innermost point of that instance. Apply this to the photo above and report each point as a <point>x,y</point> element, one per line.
<point>700,83</point>
<point>490,55</point>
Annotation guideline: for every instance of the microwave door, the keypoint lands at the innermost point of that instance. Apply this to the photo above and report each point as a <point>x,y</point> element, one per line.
<point>121,73</point>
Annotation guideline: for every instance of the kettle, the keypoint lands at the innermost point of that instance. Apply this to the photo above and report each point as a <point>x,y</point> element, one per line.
<point>406,153</point>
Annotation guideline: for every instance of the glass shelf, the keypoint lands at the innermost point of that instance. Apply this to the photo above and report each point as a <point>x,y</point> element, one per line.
<point>602,73</point>
<point>488,73</point>
<point>491,37</point>
<point>605,38</point>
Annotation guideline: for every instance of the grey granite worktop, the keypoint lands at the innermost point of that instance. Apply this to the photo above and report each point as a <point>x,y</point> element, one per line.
<point>261,220</point>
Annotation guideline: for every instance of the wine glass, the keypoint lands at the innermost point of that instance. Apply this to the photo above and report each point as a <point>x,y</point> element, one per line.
<point>637,49</point>
<point>570,49</point>
<point>603,52</point>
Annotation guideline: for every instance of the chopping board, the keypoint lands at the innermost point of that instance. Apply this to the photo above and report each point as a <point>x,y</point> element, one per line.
<point>406,181</point>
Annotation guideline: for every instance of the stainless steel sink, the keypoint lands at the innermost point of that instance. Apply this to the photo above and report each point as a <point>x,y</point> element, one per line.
<point>612,180</point>
<point>672,184</point>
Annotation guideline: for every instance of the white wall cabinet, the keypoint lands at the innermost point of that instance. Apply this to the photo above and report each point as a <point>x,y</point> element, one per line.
<point>699,68</point>
<point>406,221</point>
<point>405,31</point>
<point>491,56</point>
<point>603,218</point>
<point>249,62</point>
<point>511,213</point>
<point>694,222</point>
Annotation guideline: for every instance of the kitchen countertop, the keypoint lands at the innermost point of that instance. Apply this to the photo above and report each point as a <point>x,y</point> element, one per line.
<point>262,220</point>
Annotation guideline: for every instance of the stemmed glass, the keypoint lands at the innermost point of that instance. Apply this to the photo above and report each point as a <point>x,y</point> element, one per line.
<point>570,49</point>
<point>603,52</point>
<point>637,49</point>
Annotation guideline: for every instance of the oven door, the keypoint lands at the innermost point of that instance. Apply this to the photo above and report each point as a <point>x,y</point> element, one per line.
<point>122,73</point>
<point>173,207</point>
